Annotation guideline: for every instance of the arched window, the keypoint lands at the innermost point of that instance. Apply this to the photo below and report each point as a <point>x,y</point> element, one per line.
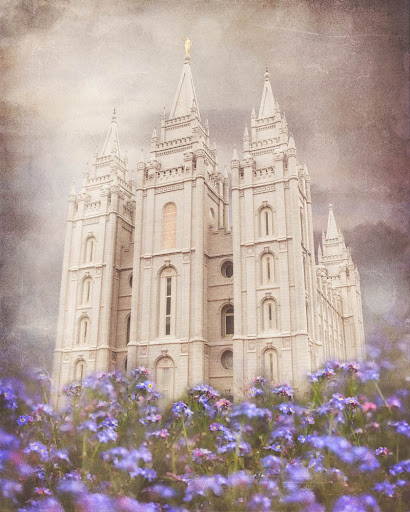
<point>127,329</point>
<point>269,315</point>
<point>79,371</point>
<point>270,365</point>
<point>267,268</point>
<point>83,331</point>
<point>169,226</point>
<point>164,377</point>
<point>265,221</point>
<point>167,301</point>
<point>89,252</point>
<point>86,291</point>
<point>227,320</point>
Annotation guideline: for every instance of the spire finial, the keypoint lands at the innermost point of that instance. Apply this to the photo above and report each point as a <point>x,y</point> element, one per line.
<point>266,73</point>
<point>114,116</point>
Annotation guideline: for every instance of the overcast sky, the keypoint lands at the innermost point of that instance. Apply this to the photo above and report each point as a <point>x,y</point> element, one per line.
<point>340,72</point>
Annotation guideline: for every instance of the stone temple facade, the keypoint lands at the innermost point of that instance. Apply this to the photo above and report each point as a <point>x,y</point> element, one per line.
<point>202,275</point>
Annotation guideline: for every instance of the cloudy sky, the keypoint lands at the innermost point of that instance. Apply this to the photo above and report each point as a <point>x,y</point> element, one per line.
<point>340,71</point>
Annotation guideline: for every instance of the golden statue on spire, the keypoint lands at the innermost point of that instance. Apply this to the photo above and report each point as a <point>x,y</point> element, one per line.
<point>188,45</point>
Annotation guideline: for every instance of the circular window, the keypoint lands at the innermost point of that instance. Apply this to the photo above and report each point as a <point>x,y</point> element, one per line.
<point>227,269</point>
<point>130,280</point>
<point>227,359</point>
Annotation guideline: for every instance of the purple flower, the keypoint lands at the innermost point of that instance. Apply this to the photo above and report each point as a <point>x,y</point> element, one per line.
<point>361,503</point>
<point>200,485</point>
<point>71,486</point>
<point>385,488</point>
<point>181,410</point>
<point>259,503</point>
<point>39,448</point>
<point>163,491</point>
<point>44,505</point>
<point>126,504</point>
<point>9,488</point>
<point>24,419</point>
<point>95,502</point>
<point>400,467</point>
<point>284,391</point>
<point>240,479</point>
<point>401,427</point>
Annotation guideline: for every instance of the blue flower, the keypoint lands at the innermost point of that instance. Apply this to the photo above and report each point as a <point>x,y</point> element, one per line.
<point>181,410</point>
<point>386,488</point>
<point>259,503</point>
<point>361,503</point>
<point>163,491</point>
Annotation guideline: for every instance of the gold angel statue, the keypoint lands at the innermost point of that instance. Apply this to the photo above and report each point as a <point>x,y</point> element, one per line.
<point>188,45</point>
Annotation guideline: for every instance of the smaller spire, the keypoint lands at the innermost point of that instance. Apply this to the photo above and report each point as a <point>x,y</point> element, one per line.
<point>319,253</point>
<point>332,232</point>
<point>154,133</point>
<point>253,113</point>
<point>267,106</point>
<point>111,143</point>
<point>246,133</point>
<point>291,142</point>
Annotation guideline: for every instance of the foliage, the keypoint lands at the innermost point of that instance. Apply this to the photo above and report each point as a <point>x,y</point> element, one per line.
<point>343,447</point>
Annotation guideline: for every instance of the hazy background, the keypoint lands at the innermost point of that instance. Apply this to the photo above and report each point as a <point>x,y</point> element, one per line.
<point>340,71</point>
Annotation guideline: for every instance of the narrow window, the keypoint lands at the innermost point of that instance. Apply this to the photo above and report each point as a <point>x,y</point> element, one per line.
<point>227,320</point>
<point>267,267</point>
<point>265,222</point>
<point>128,329</point>
<point>164,376</point>
<point>83,331</point>
<point>168,307</point>
<point>270,365</point>
<point>269,315</point>
<point>86,291</point>
<point>167,302</point>
<point>89,250</point>
<point>169,226</point>
<point>79,371</point>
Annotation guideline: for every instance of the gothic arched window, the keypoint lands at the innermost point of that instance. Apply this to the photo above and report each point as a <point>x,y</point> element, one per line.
<point>167,301</point>
<point>265,221</point>
<point>169,226</point>
<point>164,377</point>
<point>227,320</point>
<point>269,315</point>
<point>79,371</point>
<point>268,268</point>
<point>83,331</point>
<point>86,291</point>
<point>89,252</point>
<point>270,365</point>
<point>127,329</point>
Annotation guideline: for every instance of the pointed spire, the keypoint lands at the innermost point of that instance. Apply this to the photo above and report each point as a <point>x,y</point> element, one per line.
<point>332,231</point>
<point>154,133</point>
<point>291,142</point>
<point>185,99</point>
<point>111,143</point>
<point>253,113</point>
<point>267,106</point>
<point>319,253</point>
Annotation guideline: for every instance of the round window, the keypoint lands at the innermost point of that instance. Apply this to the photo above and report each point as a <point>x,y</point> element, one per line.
<point>227,359</point>
<point>227,269</point>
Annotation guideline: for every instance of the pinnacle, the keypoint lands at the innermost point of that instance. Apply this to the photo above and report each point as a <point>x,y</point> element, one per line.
<point>267,107</point>
<point>185,100</point>
<point>111,143</point>
<point>332,232</point>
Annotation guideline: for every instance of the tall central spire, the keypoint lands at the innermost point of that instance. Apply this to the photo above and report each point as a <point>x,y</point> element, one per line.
<point>111,143</point>
<point>332,232</point>
<point>185,98</point>
<point>267,106</point>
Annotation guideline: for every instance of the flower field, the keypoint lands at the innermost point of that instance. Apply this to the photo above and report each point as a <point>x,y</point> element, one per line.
<point>342,447</point>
